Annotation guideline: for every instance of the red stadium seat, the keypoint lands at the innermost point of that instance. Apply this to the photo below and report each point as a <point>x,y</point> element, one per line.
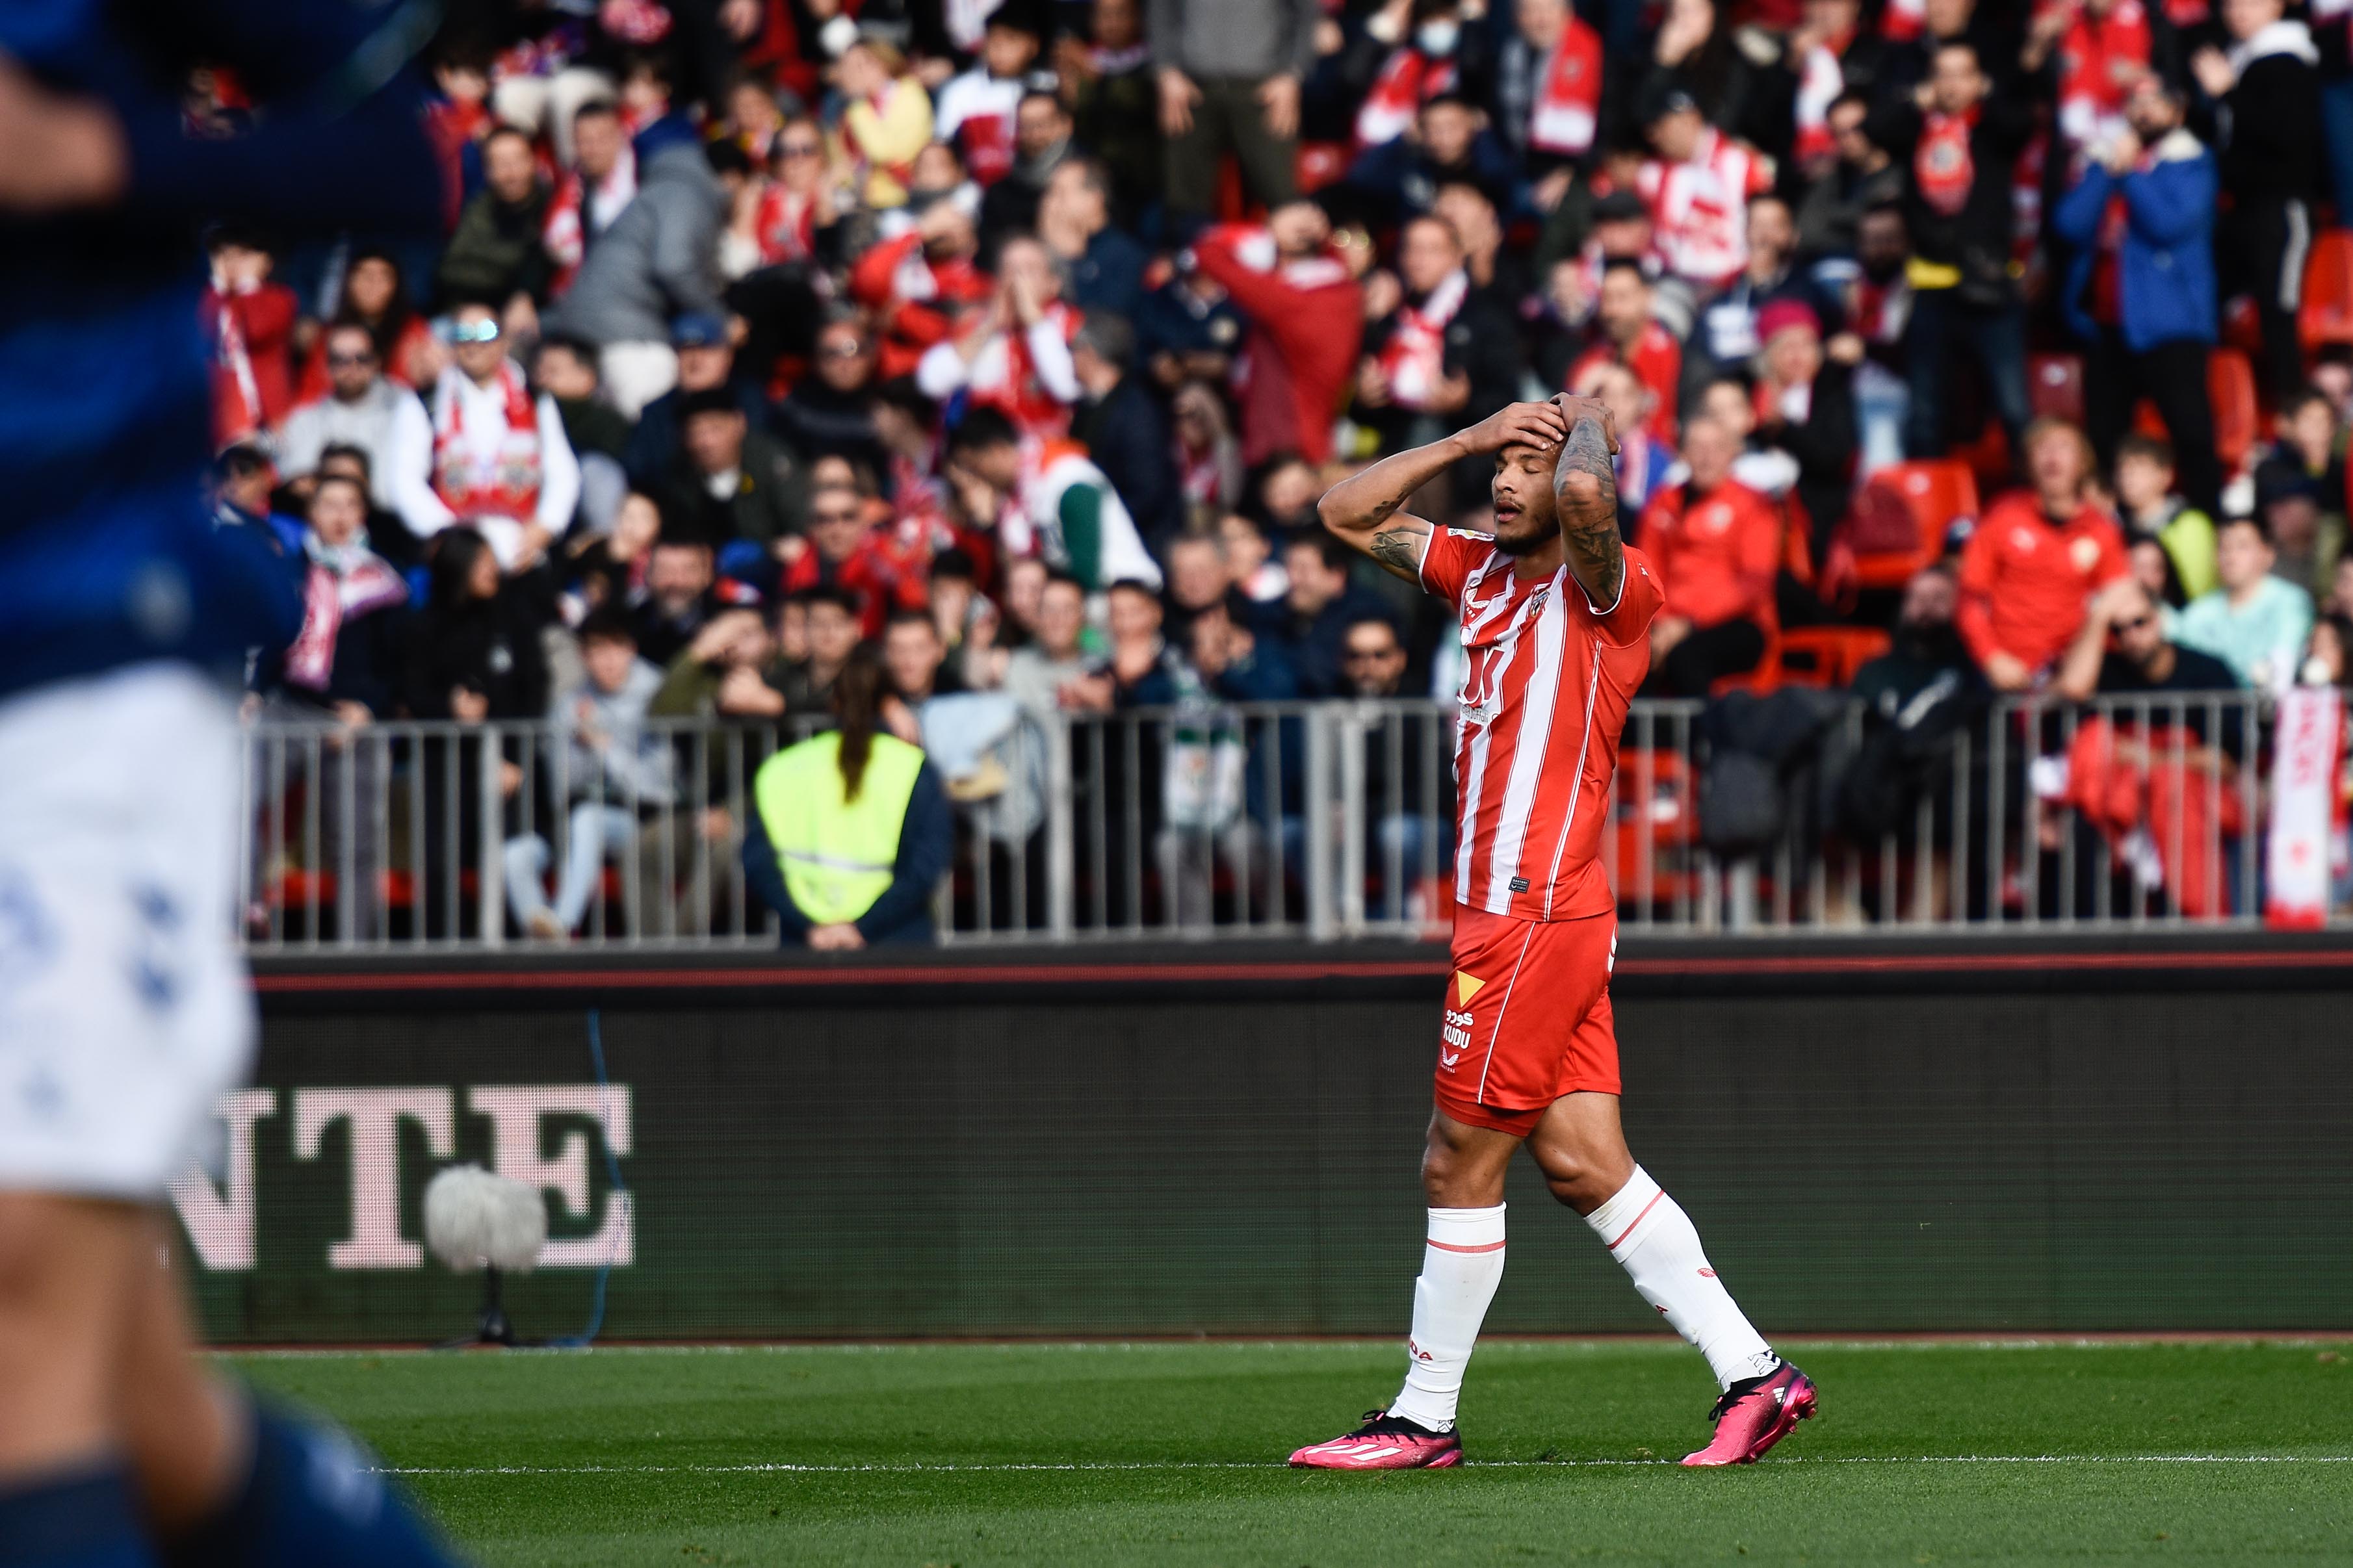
<point>2054,387</point>
<point>2326,315</point>
<point>1828,655</point>
<point>1934,492</point>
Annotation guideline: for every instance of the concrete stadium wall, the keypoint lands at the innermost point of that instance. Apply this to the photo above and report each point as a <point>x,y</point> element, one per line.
<point>1907,1140</point>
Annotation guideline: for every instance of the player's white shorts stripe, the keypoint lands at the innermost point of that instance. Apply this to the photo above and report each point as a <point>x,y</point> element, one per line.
<point>1497,1032</point>
<point>1473,780</point>
<point>1528,750</point>
<point>1576,790</point>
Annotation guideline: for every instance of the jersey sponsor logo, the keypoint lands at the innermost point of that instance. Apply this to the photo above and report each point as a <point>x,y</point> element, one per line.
<point>1519,884</point>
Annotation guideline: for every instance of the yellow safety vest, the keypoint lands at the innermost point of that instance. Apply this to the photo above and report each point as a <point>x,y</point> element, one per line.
<point>836,855</point>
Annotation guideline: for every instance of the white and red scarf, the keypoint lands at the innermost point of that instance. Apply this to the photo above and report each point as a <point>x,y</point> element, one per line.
<point>1942,164</point>
<point>786,226</point>
<point>482,472</point>
<point>1569,94</point>
<point>1414,359</point>
<point>565,236</point>
<point>1819,81</point>
<point>343,582</point>
<point>1409,79</point>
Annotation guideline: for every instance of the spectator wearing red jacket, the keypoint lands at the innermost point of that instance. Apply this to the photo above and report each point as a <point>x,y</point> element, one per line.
<point>1306,318</point>
<point>251,320</point>
<point>1716,544</point>
<point>2035,560</point>
<point>917,284</point>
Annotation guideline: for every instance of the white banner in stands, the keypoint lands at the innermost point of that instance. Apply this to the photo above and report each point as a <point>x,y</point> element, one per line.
<point>2305,798</point>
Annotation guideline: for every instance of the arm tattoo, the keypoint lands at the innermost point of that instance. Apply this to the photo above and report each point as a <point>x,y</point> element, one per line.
<point>1398,547</point>
<point>1584,486</point>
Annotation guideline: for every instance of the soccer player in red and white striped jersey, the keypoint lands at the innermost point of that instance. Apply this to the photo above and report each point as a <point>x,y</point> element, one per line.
<point>1555,614</point>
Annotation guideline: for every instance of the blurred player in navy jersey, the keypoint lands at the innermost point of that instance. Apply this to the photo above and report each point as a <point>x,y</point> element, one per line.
<point>125,614</point>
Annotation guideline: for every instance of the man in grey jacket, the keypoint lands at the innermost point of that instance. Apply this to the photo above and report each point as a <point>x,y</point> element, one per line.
<point>1230,75</point>
<point>609,770</point>
<point>659,259</point>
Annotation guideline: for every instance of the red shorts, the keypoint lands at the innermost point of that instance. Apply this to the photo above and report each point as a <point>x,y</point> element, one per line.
<point>1527,1018</point>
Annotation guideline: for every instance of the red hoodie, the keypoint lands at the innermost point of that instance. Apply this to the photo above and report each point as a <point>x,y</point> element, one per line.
<point>1307,321</point>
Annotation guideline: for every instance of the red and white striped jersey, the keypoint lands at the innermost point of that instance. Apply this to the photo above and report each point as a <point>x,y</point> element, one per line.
<point>1547,679</point>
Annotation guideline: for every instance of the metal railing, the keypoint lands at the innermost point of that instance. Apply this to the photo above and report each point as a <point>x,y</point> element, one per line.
<point>1321,821</point>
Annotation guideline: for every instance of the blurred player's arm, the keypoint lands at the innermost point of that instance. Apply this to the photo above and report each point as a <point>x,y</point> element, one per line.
<point>1363,509</point>
<point>1585,493</point>
<point>343,144</point>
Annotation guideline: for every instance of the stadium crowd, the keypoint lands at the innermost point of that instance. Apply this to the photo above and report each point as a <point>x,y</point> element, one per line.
<point>1012,346</point>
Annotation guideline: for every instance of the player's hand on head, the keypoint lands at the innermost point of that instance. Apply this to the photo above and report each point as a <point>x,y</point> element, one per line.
<point>1519,425</point>
<point>1574,408</point>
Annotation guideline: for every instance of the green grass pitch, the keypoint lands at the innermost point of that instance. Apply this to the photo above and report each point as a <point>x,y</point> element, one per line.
<point>976,1454</point>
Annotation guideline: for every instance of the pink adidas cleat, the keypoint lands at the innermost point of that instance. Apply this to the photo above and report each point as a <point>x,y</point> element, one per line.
<point>1754,1414</point>
<point>1385,1442</point>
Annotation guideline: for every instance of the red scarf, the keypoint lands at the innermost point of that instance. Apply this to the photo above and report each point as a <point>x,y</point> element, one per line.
<point>1414,359</point>
<point>507,484</point>
<point>1941,164</point>
<point>1409,79</point>
<point>1568,98</point>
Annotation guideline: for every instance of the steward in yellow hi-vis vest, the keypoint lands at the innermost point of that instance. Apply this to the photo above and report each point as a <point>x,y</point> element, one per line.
<point>849,830</point>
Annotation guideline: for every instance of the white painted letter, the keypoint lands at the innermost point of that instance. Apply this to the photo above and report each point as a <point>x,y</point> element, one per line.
<point>375,1115</point>
<point>515,1113</point>
<point>220,1224</point>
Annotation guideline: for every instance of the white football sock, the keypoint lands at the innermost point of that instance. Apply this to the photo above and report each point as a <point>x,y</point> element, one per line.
<point>1649,1233</point>
<point>1461,1264</point>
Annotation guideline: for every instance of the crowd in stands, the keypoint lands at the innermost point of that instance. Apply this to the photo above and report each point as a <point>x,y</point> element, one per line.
<point>1015,343</point>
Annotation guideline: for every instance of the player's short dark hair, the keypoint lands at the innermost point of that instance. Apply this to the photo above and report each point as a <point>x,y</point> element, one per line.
<point>1449,101</point>
<point>564,343</point>
<point>606,624</point>
<point>1625,264</point>
<point>708,400</point>
<point>956,564</point>
<point>1373,618</point>
<point>1048,95</point>
<point>1129,585</point>
<point>2156,448</point>
<point>1110,336</point>
<point>2254,519</point>
<point>503,129</point>
<point>907,618</point>
<point>337,450</point>
<point>595,107</point>
<point>1059,576</point>
<point>983,427</point>
<point>833,593</point>
<point>2304,396</point>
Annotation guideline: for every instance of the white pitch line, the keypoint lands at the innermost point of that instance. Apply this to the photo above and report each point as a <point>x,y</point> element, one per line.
<point>783,1469</point>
